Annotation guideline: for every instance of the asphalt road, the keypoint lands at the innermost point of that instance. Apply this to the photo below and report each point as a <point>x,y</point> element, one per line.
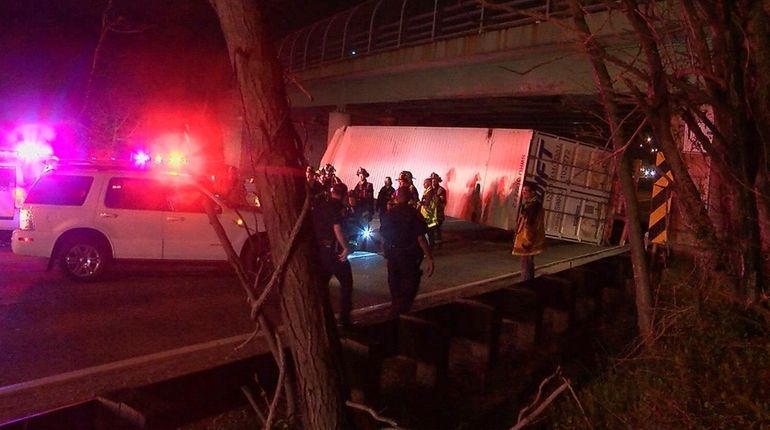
<point>50,325</point>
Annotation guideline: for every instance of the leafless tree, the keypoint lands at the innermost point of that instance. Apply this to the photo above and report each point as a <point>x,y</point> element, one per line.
<point>596,54</point>
<point>699,56</point>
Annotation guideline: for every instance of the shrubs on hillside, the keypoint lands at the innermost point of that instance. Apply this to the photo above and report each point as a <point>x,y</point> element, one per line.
<point>709,368</point>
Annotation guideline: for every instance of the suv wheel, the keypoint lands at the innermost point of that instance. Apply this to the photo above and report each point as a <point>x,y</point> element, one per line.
<point>83,258</point>
<point>257,259</point>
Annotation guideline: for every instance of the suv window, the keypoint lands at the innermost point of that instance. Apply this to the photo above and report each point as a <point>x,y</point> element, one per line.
<point>185,198</point>
<point>136,193</point>
<point>60,190</point>
<point>189,198</point>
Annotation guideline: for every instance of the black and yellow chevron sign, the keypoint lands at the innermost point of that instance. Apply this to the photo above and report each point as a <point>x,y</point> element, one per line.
<point>661,201</point>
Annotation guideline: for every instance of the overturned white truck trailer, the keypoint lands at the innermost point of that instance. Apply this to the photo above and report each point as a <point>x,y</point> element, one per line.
<point>483,171</point>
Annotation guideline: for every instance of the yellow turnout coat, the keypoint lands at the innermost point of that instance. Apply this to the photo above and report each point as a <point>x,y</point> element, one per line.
<point>530,229</point>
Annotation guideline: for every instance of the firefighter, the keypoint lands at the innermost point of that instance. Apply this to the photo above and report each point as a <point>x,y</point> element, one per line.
<point>328,179</point>
<point>441,200</point>
<point>429,210</point>
<point>315,187</point>
<point>403,230</point>
<point>405,179</point>
<point>530,231</point>
<point>333,250</point>
<point>364,194</point>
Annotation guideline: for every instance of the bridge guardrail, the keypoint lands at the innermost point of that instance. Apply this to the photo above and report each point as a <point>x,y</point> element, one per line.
<point>383,25</point>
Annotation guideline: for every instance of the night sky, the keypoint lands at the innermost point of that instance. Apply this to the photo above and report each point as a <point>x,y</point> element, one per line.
<point>163,65</point>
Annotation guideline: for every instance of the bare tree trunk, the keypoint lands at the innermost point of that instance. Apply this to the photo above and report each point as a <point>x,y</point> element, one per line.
<point>727,62</point>
<point>280,184</point>
<point>762,190</point>
<point>596,55</point>
<point>736,124</point>
<point>758,34</point>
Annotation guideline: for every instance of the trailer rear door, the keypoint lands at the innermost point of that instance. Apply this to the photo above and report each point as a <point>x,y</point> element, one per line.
<point>577,182</point>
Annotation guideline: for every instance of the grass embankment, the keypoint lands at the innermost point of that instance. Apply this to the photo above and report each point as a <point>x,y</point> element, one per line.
<point>708,368</point>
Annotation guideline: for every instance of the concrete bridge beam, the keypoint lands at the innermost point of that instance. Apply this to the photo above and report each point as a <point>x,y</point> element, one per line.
<point>532,60</point>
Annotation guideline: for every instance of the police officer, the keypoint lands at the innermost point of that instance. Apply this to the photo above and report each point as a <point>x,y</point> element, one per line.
<point>333,248</point>
<point>403,230</point>
<point>385,195</point>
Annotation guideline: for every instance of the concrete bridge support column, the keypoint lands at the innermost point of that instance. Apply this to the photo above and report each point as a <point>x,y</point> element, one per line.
<point>420,360</point>
<point>557,298</point>
<point>472,344</point>
<point>518,326</point>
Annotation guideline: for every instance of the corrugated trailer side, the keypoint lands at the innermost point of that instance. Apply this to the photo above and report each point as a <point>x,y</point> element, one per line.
<point>475,164</point>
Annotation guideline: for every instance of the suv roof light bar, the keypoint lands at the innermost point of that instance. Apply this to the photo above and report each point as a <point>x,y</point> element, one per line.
<point>92,164</point>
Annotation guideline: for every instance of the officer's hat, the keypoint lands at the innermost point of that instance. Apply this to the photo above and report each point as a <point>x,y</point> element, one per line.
<point>405,175</point>
<point>328,168</point>
<point>435,176</point>
<point>362,171</point>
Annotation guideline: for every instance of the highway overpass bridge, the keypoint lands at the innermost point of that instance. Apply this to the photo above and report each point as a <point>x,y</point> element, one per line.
<point>512,64</point>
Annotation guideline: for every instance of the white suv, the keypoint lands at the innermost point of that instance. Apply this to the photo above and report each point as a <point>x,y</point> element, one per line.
<point>88,216</point>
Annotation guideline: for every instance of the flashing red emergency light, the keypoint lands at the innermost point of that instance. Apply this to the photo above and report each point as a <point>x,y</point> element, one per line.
<point>174,160</point>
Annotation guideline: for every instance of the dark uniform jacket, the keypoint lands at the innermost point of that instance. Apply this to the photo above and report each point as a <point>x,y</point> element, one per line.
<point>441,202</point>
<point>316,192</point>
<point>364,194</point>
<point>325,215</point>
<point>400,227</point>
<point>385,194</point>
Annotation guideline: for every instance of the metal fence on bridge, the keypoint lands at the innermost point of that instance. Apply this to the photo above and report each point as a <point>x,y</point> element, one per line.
<point>382,25</point>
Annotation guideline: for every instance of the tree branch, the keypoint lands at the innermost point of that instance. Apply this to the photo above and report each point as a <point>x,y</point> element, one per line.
<point>373,414</point>
<point>279,384</point>
<point>580,405</point>
<point>526,420</point>
<point>257,305</point>
<point>543,383</point>
<point>253,402</point>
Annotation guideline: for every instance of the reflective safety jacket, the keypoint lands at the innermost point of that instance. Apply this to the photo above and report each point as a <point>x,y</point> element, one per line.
<point>429,207</point>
